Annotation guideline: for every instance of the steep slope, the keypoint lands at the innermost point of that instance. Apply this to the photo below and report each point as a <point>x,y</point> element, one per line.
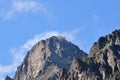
<point>102,63</point>
<point>47,58</point>
<point>8,78</point>
<point>58,59</point>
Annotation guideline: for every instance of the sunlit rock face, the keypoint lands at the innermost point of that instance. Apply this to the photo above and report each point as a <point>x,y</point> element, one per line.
<point>102,63</point>
<point>47,58</point>
<point>57,59</point>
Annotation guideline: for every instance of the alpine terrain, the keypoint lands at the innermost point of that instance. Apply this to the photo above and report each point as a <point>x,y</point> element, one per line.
<point>102,63</point>
<point>47,59</point>
<point>57,59</point>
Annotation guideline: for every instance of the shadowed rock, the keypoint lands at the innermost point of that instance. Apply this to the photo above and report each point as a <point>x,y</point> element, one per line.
<point>47,58</point>
<point>8,78</point>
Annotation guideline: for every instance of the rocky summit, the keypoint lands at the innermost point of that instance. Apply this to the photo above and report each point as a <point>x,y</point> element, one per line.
<point>102,63</point>
<point>47,59</point>
<point>57,59</point>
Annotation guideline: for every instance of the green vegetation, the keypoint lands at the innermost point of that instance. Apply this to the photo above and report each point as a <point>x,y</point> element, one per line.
<point>98,56</point>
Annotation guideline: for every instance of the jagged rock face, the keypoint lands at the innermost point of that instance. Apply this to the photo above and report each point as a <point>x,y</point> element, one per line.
<point>102,63</point>
<point>8,78</point>
<point>51,60</point>
<point>105,42</point>
<point>47,58</point>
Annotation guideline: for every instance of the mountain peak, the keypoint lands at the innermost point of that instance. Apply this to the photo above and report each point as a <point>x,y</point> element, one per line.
<point>102,63</point>
<point>47,58</point>
<point>8,78</point>
<point>59,37</point>
<point>105,42</point>
<point>58,59</point>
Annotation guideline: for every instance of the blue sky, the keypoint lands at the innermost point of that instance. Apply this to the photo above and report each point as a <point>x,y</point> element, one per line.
<point>25,22</point>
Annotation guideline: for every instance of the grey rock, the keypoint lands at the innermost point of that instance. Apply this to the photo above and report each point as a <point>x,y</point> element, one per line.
<point>47,58</point>
<point>102,63</point>
<point>58,59</point>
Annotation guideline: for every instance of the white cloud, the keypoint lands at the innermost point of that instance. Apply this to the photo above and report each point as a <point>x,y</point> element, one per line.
<point>19,52</point>
<point>23,6</point>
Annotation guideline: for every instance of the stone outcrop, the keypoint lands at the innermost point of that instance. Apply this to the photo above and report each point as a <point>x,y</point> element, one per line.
<point>102,63</point>
<point>8,78</point>
<point>47,58</point>
<point>58,59</point>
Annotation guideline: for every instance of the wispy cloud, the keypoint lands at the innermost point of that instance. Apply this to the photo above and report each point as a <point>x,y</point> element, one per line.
<point>23,6</point>
<point>19,52</point>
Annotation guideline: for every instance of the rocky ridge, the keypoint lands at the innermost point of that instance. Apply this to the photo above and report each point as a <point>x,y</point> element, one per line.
<point>102,63</point>
<point>65,61</point>
<point>47,58</point>
<point>8,78</point>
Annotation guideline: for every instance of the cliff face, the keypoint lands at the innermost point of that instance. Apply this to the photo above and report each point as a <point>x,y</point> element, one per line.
<point>102,63</point>
<point>8,78</point>
<point>47,58</point>
<point>58,59</point>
